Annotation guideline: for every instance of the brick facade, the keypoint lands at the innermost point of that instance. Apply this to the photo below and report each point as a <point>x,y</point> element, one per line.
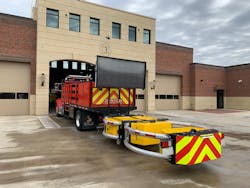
<point>234,80</point>
<point>18,42</point>
<point>175,60</point>
<point>238,81</point>
<point>206,79</point>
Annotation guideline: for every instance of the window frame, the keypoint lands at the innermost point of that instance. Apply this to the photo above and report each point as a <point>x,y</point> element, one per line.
<point>73,19</point>
<point>50,14</point>
<point>135,33</point>
<point>116,24</point>
<point>149,36</point>
<point>91,24</point>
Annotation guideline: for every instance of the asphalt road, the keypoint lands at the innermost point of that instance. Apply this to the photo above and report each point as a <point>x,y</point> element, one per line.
<point>34,156</point>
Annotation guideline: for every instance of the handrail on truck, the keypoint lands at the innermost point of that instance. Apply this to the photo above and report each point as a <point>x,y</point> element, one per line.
<point>165,152</point>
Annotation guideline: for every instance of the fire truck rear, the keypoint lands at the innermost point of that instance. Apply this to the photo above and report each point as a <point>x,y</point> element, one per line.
<point>82,101</point>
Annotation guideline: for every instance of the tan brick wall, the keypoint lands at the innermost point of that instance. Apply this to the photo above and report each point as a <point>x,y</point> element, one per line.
<point>55,44</point>
<point>240,103</point>
<point>202,103</point>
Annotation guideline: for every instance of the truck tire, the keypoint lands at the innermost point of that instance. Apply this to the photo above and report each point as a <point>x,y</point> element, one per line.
<point>84,120</point>
<point>78,120</point>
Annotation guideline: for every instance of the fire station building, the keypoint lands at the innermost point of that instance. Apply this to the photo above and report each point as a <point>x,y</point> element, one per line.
<point>65,37</point>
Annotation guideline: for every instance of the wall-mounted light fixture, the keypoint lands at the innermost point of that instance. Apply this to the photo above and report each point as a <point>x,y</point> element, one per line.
<point>239,81</point>
<point>107,37</point>
<point>42,78</point>
<point>153,84</point>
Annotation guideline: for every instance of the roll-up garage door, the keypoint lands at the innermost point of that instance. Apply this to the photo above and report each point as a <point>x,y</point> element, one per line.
<point>167,92</point>
<point>14,88</point>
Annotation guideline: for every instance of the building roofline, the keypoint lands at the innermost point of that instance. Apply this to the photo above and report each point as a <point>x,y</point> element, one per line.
<point>203,64</point>
<point>16,16</point>
<point>244,64</point>
<point>117,9</point>
<point>219,66</point>
<point>174,45</point>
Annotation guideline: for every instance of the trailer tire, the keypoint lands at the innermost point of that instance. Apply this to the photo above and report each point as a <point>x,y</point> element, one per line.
<point>78,120</point>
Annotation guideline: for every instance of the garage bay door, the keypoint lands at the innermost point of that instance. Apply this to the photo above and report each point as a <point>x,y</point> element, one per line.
<point>14,88</point>
<point>167,92</point>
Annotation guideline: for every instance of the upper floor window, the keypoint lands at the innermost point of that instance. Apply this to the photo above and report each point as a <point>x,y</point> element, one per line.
<point>132,33</point>
<point>94,26</point>
<point>116,30</point>
<point>146,36</point>
<point>74,22</point>
<point>52,18</point>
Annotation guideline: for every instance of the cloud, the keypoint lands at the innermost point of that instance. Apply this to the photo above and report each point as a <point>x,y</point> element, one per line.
<point>218,30</point>
<point>17,7</point>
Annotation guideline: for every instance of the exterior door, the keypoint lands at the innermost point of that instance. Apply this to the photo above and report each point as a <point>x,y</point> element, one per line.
<point>220,99</point>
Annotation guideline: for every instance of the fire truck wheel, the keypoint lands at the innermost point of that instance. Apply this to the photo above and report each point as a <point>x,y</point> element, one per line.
<point>78,120</point>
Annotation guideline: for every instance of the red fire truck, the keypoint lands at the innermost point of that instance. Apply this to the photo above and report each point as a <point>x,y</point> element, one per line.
<point>109,98</point>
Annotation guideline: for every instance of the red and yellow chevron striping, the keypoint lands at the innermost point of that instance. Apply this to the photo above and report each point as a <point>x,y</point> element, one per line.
<point>99,96</point>
<point>197,149</point>
<point>126,95</point>
<point>113,96</point>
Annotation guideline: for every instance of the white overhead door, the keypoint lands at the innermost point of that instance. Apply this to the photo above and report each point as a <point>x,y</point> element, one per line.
<point>14,88</point>
<point>167,92</point>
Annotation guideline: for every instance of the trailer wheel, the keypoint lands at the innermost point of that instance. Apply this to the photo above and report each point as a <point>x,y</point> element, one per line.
<point>78,120</point>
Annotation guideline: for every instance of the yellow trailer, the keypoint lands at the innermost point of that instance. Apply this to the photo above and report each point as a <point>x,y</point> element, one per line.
<point>178,142</point>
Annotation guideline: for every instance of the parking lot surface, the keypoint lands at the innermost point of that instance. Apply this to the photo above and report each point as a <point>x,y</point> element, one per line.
<point>56,155</point>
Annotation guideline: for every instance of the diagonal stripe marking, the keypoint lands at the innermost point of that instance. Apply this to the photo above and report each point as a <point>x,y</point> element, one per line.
<point>192,151</point>
<point>205,152</point>
<point>101,97</point>
<point>124,97</point>
<point>210,150</point>
<point>96,94</point>
<point>186,149</point>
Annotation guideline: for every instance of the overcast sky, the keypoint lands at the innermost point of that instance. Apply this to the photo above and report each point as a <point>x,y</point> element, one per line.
<point>218,30</point>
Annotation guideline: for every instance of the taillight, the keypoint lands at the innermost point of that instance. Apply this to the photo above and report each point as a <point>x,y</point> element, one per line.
<point>164,144</point>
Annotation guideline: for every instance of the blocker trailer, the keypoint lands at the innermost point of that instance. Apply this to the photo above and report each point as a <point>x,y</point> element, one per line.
<point>178,142</point>
<point>112,95</point>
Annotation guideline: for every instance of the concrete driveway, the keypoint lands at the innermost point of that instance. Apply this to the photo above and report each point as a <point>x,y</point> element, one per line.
<point>32,155</point>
